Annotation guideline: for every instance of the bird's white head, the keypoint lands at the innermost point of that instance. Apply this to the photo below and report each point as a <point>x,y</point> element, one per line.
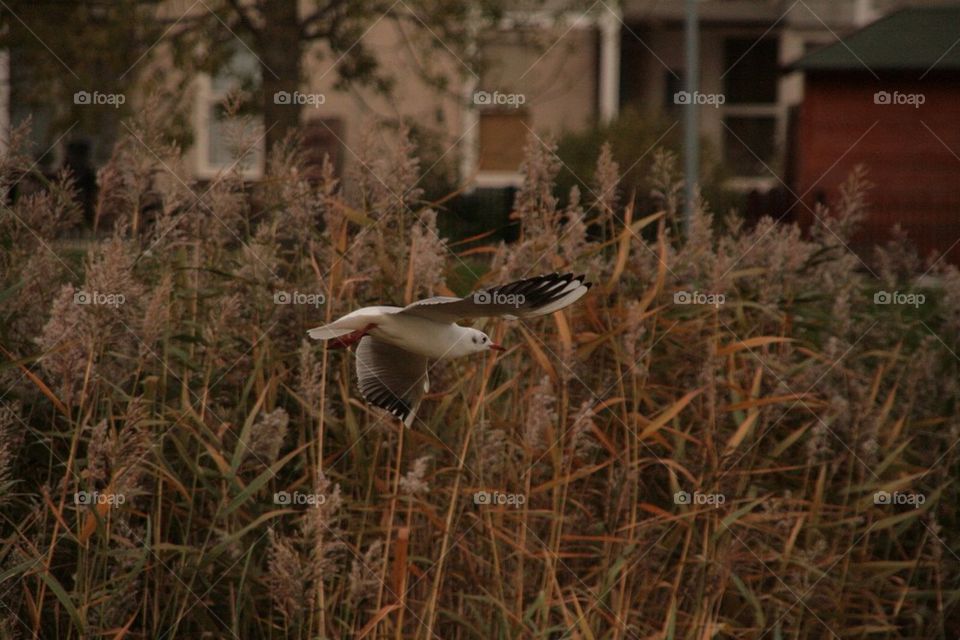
<point>475,341</point>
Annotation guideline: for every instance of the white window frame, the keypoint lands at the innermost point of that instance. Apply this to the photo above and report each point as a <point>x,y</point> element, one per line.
<point>498,179</point>
<point>777,110</point>
<point>206,98</point>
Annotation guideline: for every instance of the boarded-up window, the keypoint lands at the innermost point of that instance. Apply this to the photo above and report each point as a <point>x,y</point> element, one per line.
<point>502,137</point>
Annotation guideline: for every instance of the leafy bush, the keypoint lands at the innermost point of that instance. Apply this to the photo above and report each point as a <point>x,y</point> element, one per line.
<point>633,138</point>
<point>672,463</point>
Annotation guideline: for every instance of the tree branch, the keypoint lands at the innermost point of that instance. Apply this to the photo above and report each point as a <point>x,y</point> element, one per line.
<point>245,19</point>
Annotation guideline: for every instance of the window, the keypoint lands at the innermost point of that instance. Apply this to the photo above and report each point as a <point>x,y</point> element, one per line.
<point>217,135</point>
<point>503,134</point>
<point>752,116</point>
<point>753,71</point>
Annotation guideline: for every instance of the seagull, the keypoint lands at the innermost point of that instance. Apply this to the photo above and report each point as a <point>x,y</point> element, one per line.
<point>395,344</point>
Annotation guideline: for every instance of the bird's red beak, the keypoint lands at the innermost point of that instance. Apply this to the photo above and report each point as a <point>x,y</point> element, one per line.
<point>496,347</point>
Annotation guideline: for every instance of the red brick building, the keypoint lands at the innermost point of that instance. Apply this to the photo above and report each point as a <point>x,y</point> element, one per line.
<point>886,97</point>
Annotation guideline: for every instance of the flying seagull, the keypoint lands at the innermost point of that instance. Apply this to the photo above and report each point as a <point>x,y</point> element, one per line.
<point>396,343</point>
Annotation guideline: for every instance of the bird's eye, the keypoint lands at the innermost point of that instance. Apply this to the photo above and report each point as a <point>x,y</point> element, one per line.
<point>483,339</point>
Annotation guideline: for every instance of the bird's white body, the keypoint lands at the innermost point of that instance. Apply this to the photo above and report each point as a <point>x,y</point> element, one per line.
<point>434,340</point>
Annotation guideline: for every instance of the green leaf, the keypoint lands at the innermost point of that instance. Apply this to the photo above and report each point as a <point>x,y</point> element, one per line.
<point>64,598</point>
<point>261,480</point>
<point>241,450</point>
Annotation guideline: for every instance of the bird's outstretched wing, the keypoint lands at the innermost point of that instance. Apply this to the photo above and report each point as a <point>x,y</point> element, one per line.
<point>526,298</point>
<point>391,378</point>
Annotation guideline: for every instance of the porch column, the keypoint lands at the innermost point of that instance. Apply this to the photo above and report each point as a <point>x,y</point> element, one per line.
<point>609,83</point>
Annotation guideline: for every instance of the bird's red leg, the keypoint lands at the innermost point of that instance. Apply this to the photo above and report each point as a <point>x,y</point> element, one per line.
<point>350,339</point>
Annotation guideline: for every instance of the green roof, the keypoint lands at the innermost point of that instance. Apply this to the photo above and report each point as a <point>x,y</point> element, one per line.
<point>921,38</point>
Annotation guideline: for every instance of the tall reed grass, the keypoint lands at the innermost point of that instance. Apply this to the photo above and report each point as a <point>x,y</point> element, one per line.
<point>693,451</point>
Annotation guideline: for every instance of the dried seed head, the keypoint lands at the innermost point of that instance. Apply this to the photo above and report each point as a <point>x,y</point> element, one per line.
<point>66,343</point>
<point>541,415</point>
<point>581,440</point>
<point>412,483</point>
<point>364,581</point>
<point>267,435</point>
<point>310,376</point>
<point>134,443</point>
<point>321,529</point>
<point>157,314</point>
<point>605,179</point>
<point>286,576</point>
<point>11,438</point>
<point>493,450</point>
<point>428,254</point>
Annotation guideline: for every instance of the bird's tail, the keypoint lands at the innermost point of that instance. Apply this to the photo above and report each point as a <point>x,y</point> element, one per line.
<point>359,320</point>
<point>338,328</point>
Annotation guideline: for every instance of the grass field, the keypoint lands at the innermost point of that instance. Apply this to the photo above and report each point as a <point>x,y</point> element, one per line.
<point>739,433</point>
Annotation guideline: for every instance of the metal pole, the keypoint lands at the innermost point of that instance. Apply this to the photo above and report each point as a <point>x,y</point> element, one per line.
<point>691,137</point>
